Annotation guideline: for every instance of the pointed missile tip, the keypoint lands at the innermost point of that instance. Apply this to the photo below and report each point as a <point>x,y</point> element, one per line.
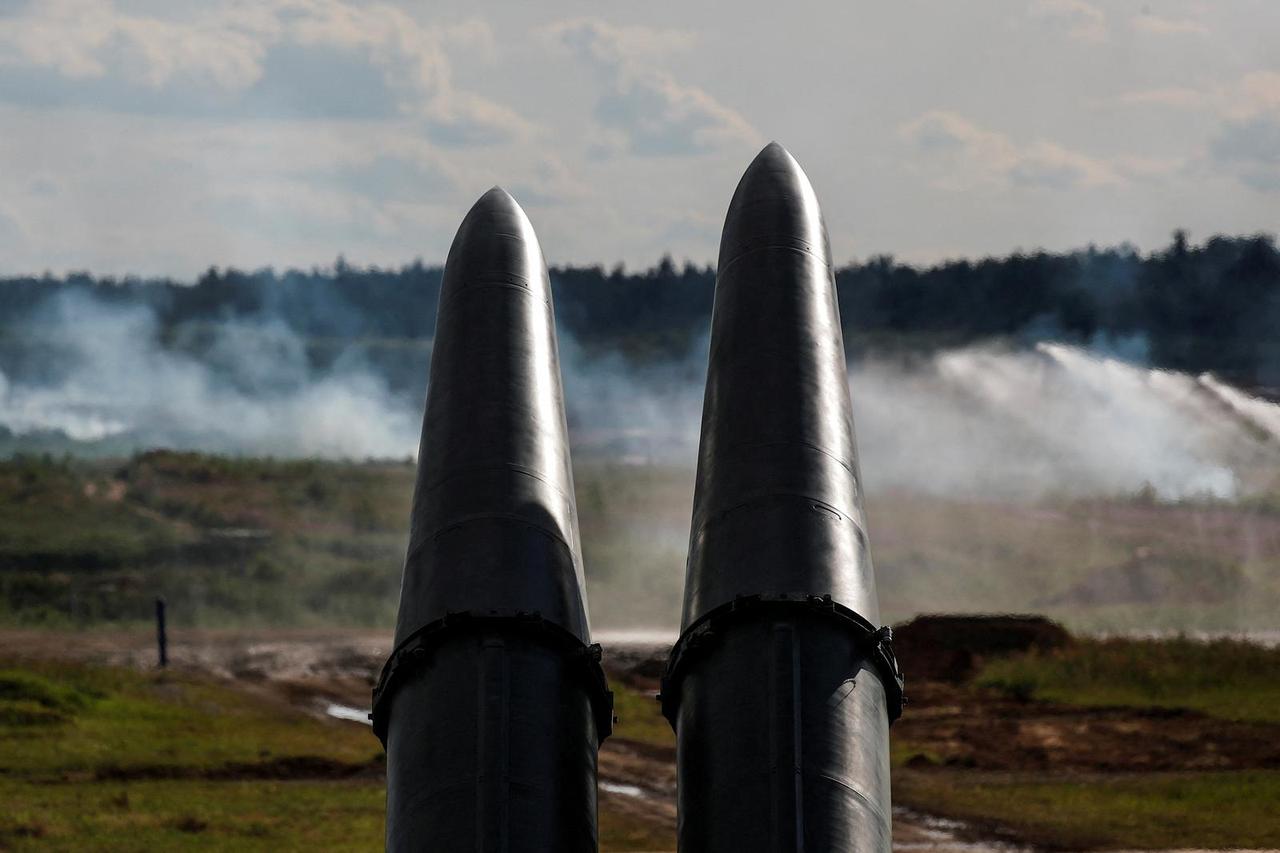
<point>496,230</point>
<point>496,200</point>
<point>774,149</point>
<point>496,205</point>
<point>773,203</point>
<point>774,165</point>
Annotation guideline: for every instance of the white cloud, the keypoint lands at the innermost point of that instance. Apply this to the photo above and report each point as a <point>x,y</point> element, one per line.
<point>1251,149</point>
<point>87,39</point>
<point>957,154</point>
<point>1246,142</point>
<point>147,194</point>
<point>644,109</point>
<point>1177,97</point>
<point>338,58</point>
<point>1257,92</point>
<point>1079,20</point>
<point>11,233</point>
<point>1156,25</point>
<point>550,182</point>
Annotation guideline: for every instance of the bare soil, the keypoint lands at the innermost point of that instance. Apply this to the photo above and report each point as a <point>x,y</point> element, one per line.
<point>948,726</point>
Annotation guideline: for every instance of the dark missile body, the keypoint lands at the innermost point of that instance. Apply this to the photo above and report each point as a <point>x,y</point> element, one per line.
<point>493,703</point>
<point>781,689</point>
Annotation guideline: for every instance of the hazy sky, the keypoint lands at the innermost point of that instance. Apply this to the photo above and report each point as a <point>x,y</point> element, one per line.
<point>162,136</point>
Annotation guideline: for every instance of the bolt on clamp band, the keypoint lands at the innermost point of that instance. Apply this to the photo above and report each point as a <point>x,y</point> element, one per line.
<point>703,634</point>
<point>416,651</point>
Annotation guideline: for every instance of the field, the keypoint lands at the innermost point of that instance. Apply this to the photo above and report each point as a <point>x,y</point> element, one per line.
<point>95,757</point>
<point>281,579</point>
<point>95,754</point>
<point>244,542</point>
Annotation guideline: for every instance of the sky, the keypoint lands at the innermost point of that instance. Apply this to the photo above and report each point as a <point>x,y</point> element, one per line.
<point>160,137</point>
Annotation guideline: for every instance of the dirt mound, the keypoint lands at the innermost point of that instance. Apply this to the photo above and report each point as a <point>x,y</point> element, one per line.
<point>952,648</point>
<point>954,727</point>
<point>638,665</point>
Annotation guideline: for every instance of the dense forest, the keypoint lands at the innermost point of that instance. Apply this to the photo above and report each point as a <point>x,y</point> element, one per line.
<point>1213,306</point>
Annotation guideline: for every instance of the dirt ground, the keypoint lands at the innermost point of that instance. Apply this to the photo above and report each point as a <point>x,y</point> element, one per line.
<point>326,673</point>
<point>999,734</point>
<point>321,672</point>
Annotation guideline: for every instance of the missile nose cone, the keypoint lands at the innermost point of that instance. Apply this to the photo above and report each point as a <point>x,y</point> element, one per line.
<point>494,205</point>
<point>779,644</point>
<point>774,206</point>
<point>496,240</point>
<point>778,498</point>
<point>492,704</point>
<point>494,524</point>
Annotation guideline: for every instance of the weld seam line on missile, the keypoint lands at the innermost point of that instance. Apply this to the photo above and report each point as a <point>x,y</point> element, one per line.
<point>520,285</point>
<point>468,289</point>
<point>861,797</point>
<point>510,467</point>
<point>498,274</point>
<point>709,517</point>
<point>839,458</point>
<point>774,247</point>
<point>461,521</point>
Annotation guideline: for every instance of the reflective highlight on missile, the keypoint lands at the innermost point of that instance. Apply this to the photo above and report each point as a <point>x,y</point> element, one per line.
<point>493,703</point>
<point>781,689</point>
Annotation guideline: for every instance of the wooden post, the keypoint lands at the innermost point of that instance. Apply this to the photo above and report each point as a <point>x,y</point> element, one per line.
<point>162,641</point>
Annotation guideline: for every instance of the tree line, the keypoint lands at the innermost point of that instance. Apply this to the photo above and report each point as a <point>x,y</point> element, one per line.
<point>1214,306</point>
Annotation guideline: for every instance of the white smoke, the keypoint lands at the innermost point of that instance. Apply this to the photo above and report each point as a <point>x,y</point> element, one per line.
<point>981,422</point>
<point>252,391</point>
<point>973,422</point>
<point>634,414</point>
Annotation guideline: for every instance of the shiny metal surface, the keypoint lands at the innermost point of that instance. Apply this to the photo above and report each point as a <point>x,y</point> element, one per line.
<point>775,690</point>
<point>494,522</point>
<point>778,504</point>
<point>492,705</point>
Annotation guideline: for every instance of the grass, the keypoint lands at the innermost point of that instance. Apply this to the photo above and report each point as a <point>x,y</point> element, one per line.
<point>640,717</point>
<point>107,721</point>
<point>233,541</point>
<point>228,541</point>
<point>98,758</point>
<point>95,757</point>
<point>1225,679</point>
<point>1141,812</point>
<point>193,815</point>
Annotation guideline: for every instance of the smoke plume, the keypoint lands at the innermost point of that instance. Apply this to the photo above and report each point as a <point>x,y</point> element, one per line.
<point>973,422</point>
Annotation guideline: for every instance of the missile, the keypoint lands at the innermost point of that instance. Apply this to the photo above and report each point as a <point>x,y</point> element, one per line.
<point>781,687</point>
<point>493,703</point>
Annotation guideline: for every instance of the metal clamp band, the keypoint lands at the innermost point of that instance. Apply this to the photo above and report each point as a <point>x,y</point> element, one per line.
<point>416,649</point>
<point>876,643</point>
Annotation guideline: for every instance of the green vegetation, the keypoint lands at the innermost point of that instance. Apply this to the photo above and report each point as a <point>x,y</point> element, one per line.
<point>640,717</point>
<point>1208,307</point>
<point>96,758</point>
<point>228,815</point>
<point>103,758</point>
<point>251,542</point>
<point>226,541</point>
<point>1145,812</point>
<point>1226,679</point>
<point>107,722</point>
<point>193,815</point>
